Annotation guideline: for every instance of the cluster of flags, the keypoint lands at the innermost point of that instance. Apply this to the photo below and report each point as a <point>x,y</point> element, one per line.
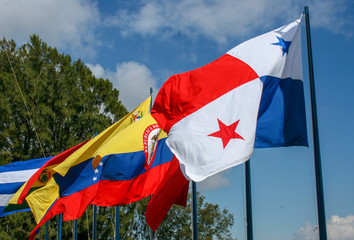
<point>202,122</point>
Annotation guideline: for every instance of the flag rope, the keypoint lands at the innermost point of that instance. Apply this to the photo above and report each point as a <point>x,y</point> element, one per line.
<point>24,101</point>
<point>30,122</point>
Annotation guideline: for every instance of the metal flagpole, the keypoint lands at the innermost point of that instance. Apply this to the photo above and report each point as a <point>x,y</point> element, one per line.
<point>117,223</point>
<point>75,229</point>
<point>47,230</point>
<point>248,200</point>
<point>151,232</point>
<point>94,222</point>
<point>195,211</point>
<point>316,141</point>
<point>60,225</point>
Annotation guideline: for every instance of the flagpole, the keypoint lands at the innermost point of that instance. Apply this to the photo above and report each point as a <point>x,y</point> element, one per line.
<point>75,229</point>
<point>195,211</point>
<point>316,142</point>
<point>248,200</point>
<point>47,230</point>
<point>94,222</point>
<point>151,232</point>
<point>117,223</point>
<point>60,225</point>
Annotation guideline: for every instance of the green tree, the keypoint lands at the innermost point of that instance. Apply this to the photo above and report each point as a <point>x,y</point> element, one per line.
<point>45,93</point>
<point>48,103</point>
<point>212,222</point>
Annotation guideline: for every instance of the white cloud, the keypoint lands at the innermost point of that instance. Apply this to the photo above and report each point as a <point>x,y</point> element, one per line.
<point>65,24</point>
<point>73,24</point>
<point>214,182</point>
<point>341,228</point>
<point>132,79</point>
<point>332,15</point>
<point>308,232</point>
<point>337,229</point>
<point>224,19</point>
<point>97,70</point>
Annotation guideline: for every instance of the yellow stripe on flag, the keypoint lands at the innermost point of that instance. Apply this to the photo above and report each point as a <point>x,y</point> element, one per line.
<point>41,199</point>
<point>88,150</point>
<point>129,139</point>
<point>36,184</point>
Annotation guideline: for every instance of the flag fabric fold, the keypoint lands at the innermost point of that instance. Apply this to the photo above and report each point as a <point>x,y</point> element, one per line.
<point>172,190</point>
<point>136,161</point>
<point>73,174</point>
<point>74,193</point>
<point>126,168</point>
<point>89,150</point>
<point>121,177</point>
<point>12,177</point>
<point>250,97</point>
<point>42,175</point>
<point>69,195</point>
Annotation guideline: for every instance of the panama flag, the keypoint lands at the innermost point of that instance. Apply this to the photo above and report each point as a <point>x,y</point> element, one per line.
<point>250,97</point>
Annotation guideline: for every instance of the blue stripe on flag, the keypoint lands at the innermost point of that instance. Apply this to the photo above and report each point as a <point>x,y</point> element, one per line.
<point>3,214</point>
<point>281,117</point>
<point>10,182</point>
<point>9,188</point>
<point>127,166</point>
<point>78,177</point>
<point>24,165</point>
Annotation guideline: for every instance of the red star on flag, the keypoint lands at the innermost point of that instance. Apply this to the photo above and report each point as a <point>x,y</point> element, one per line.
<point>226,133</point>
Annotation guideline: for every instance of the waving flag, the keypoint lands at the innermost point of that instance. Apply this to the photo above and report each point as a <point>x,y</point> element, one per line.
<point>136,161</point>
<point>211,113</point>
<point>73,194</point>
<point>130,167</point>
<point>173,189</point>
<point>77,164</point>
<point>89,149</point>
<point>12,177</point>
<point>41,176</point>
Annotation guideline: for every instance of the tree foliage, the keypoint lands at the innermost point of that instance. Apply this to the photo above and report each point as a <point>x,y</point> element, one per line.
<point>213,223</point>
<point>49,103</point>
<point>44,92</point>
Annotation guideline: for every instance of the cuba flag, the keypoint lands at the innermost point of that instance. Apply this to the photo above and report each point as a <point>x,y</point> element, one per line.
<point>12,177</point>
<point>252,96</point>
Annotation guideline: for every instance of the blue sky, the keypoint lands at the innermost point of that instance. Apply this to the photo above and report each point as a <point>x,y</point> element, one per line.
<point>139,44</point>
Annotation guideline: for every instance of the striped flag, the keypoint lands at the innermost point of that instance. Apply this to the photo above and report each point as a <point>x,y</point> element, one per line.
<point>12,177</point>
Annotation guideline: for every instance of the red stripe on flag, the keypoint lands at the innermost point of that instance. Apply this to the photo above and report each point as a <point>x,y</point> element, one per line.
<point>172,190</point>
<point>185,93</point>
<point>114,192</point>
<point>72,207</point>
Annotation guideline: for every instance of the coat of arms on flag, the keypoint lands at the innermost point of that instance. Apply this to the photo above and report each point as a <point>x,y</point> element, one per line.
<point>150,138</point>
<point>136,116</point>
